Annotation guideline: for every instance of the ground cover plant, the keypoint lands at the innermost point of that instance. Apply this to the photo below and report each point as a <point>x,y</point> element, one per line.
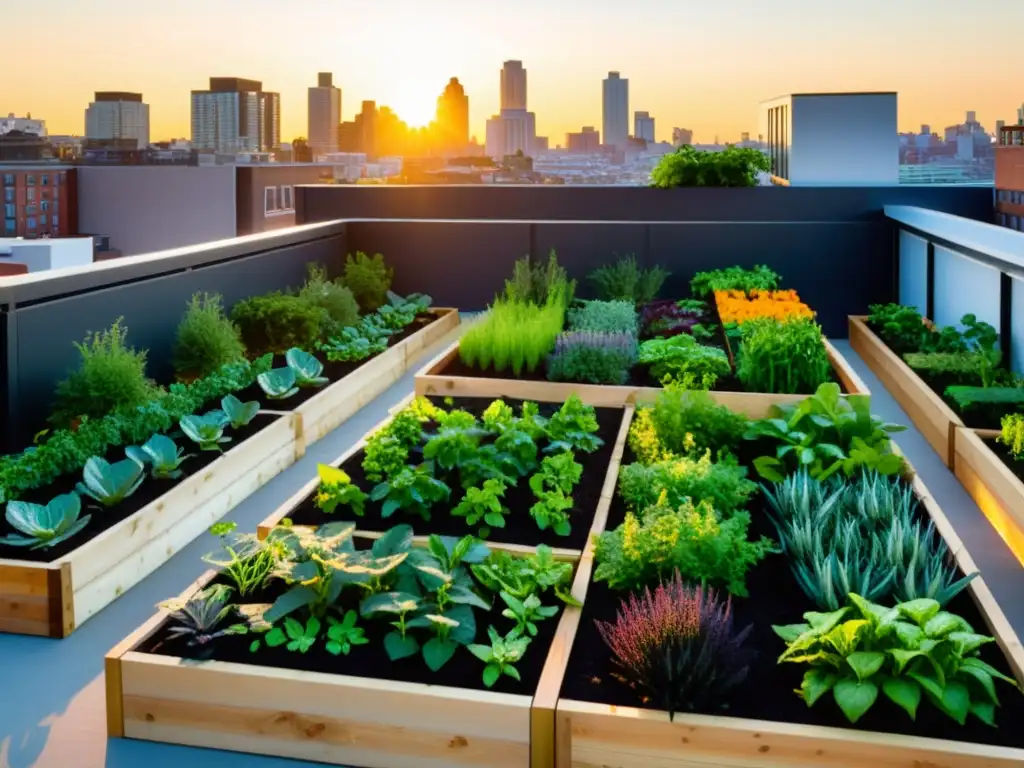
<point>963,364</point>
<point>452,612</point>
<point>507,471</point>
<point>725,531</point>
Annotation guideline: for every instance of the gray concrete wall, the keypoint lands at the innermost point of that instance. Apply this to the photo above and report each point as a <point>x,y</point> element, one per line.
<point>153,208</point>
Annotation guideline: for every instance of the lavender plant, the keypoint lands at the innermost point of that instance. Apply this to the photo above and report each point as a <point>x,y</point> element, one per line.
<point>593,357</point>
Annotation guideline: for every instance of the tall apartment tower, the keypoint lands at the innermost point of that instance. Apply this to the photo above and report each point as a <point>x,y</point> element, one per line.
<point>615,108</point>
<point>324,115</point>
<point>118,116</point>
<point>236,115</point>
<point>643,126</point>
<point>513,85</point>
<point>453,116</point>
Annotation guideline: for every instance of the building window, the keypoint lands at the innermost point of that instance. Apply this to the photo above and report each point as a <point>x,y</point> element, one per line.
<point>45,205</point>
<point>9,210</point>
<point>42,219</point>
<point>10,226</point>
<point>270,200</point>
<point>287,203</point>
<point>9,195</point>
<point>30,195</point>
<point>30,180</point>
<point>44,180</point>
<point>55,205</point>
<point>31,222</point>
<point>30,209</point>
<point>57,179</point>
<point>54,222</point>
<point>9,179</point>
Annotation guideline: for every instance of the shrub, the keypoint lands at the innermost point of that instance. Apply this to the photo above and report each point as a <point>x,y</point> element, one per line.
<point>369,279</point>
<point>277,322</point>
<point>1012,434</point>
<point>724,484</point>
<point>759,278</point>
<point>782,357</point>
<point>967,398</point>
<point>683,360</point>
<point>689,167</point>
<point>333,297</point>
<point>110,375</point>
<point>669,318</point>
<point>678,644</point>
<point>604,317</point>
<point>538,283</point>
<point>626,281</point>
<point>593,358</point>
<point>206,339</point>
<point>689,538</point>
<point>681,417</point>
<point>904,329</point>
<point>963,367</point>
<point>513,334</point>
<point>863,535</point>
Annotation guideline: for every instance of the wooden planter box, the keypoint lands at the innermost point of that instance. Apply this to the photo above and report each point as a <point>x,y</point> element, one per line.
<point>53,599</point>
<point>432,380</point>
<point>929,412</point>
<point>995,489</point>
<point>592,735</point>
<point>331,407</point>
<point>340,719</point>
<point>285,510</point>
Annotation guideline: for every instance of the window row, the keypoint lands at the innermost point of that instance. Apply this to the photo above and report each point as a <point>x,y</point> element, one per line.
<point>278,200</point>
<point>31,179</point>
<point>1010,196</point>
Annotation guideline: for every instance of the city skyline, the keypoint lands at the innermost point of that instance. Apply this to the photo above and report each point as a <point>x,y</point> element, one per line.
<point>678,71</point>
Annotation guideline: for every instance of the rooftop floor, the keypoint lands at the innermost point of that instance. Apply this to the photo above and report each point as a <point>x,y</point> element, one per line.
<point>53,715</point>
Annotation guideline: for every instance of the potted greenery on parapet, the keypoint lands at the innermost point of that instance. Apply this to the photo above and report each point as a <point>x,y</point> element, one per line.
<point>732,167</point>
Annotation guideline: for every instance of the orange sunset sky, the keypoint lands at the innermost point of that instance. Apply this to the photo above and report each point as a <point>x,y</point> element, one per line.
<point>703,66</point>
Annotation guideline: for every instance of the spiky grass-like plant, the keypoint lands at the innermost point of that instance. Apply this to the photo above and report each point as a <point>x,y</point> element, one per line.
<point>513,334</point>
<point>678,644</point>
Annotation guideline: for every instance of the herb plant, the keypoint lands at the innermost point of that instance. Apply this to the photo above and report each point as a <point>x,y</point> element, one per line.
<point>723,483</point>
<point>592,358</point>
<point>787,357</point>
<point>1011,434</point>
<point>526,613</point>
<point>369,279</point>
<point>540,282</point>
<point>500,655</point>
<point>244,559</point>
<point>199,619</point>
<point>331,296</point>
<point>625,280</point>
<point>525,576</point>
<point>277,321</point>
<point>388,449</point>
<point>604,317</point>
<point>759,278</point>
<point>110,484</point>
<point>483,505</point>
<point>689,167</point>
<point>343,635</point>
<point>206,339</point>
<point>680,418</point>
<point>412,490</point>
<point>42,526</point>
<point>513,334</point>
<point>293,635</point>
<point>573,427</point>
<point>669,318</point>
<point>337,489</point>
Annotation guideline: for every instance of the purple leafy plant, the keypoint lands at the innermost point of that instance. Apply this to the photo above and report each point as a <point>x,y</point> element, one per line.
<point>666,318</point>
<point>677,643</point>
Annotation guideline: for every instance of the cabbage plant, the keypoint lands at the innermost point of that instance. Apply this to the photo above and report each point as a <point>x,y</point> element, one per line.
<point>307,368</point>
<point>278,383</point>
<point>46,525</point>
<point>161,454</point>
<point>110,484</point>
<point>207,431</point>
<point>239,414</point>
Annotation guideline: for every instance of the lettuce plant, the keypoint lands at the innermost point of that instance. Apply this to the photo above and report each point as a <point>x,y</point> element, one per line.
<point>44,526</point>
<point>551,510</point>
<point>525,576</point>
<point>678,645</point>
<point>911,652</point>
<point>500,655</point>
<point>412,490</point>
<point>670,318</point>
<point>307,368</point>
<point>387,450</point>
<point>162,455</point>
<point>552,486</point>
<point>206,431</point>
<point>110,484</point>
<point>683,359</point>
<point>483,504</point>
<point>453,444</point>
<point>239,414</point>
<point>527,612</point>
<point>336,488</point>
<point>278,383</point>
<point>573,427</point>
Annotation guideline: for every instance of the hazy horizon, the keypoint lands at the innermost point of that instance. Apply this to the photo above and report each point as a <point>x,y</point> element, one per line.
<point>702,68</point>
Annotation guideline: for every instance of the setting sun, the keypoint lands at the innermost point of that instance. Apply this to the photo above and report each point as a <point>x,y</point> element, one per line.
<point>415,102</point>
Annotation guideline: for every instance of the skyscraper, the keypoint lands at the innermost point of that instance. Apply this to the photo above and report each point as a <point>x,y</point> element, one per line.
<point>514,129</point>
<point>324,115</point>
<point>513,85</point>
<point>118,116</point>
<point>615,107</point>
<point>643,126</point>
<point>236,115</point>
<point>453,117</point>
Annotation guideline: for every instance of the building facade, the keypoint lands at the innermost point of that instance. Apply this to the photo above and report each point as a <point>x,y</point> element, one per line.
<point>26,124</point>
<point>324,115</point>
<point>236,115</point>
<point>1009,177</point>
<point>120,117</point>
<point>586,142</point>
<point>615,110</point>
<point>513,86</point>
<point>682,137</point>
<point>38,201</point>
<point>832,138</point>
<point>453,118</point>
<point>643,126</point>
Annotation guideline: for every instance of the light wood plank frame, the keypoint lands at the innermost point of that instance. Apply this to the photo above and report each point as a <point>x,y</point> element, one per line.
<point>996,490</point>
<point>337,402</point>
<point>432,380</point>
<point>591,735</point>
<point>926,409</point>
<point>53,599</point>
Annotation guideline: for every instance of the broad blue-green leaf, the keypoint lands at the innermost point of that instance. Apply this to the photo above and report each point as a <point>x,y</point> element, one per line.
<point>398,647</point>
<point>295,598</point>
<point>905,693</point>
<point>437,652</point>
<point>389,602</point>
<point>465,633</point>
<point>854,698</point>
<point>462,595</point>
<point>394,541</point>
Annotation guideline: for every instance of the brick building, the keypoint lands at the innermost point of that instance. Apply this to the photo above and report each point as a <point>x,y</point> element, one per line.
<point>38,200</point>
<point>1009,179</point>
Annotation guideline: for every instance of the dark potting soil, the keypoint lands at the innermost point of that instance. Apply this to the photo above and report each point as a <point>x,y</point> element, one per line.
<point>520,527</point>
<point>464,670</point>
<point>151,489</point>
<point>333,371</point>
<point>767,693</point>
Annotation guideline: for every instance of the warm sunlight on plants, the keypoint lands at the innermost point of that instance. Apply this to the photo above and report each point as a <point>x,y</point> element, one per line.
<point>738,307</point>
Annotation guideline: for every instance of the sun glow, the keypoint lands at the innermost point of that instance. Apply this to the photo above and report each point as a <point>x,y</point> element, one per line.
<point>415,103</point>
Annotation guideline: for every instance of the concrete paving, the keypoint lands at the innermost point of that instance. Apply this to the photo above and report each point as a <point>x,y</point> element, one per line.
<point>52,709</point>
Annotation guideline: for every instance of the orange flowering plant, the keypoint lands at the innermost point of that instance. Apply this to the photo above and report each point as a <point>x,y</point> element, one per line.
<point>739,307</point>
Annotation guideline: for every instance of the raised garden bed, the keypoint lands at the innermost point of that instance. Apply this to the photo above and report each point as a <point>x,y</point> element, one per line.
<point>600,721</point>
<point>932,416</point>
<point>992,477</point>
<point>52,591</point>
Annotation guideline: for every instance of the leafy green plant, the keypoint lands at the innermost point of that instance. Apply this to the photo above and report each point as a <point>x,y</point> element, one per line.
<point>540,282</point>
<point>206,339</point>
<point>244,559</point>
<point>722,483</point>
<point>198,619</point>
<point>453,444</point>
<point>617,316</point>
<point>500,655</point>
<point>398,644</point>
<point>352,345</point>
<point>307,368</point>
<point>970,398</point>
<point>337,489</point>
<point>689,167</point>
<point>573,427</point>
<point>690,538</point>
<point>551,510</point>
<point>513,334</point>
<point>110,376</point>
<point>1011,434</point>
<point>525,576</point>
<point>782,357</point>
<point>625,280</point>
<point>44,526</point>
<point>683,359</point>
<point>527,612</point>
<point>110,484</point>
<point>906,653</point>
<point>295,636</point>
<point>369,279</point>
<point>277,321</point>
<point>388,448</point>
<point>400,312</point>
<point>758,278</point>
<point>343,635</point>
<point>483,504</point>
<point>412,490</point>
<point>905,330</point>
<point>206,431</point>
<point>278,383</point>
<point>162,455</point>
<point>827,432</point>
<point>961,367</point>
<point>591,357</point>
<point>331,296</point>
<point>685,420</point>
<point>560,472</point>
<point>239,414</point>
